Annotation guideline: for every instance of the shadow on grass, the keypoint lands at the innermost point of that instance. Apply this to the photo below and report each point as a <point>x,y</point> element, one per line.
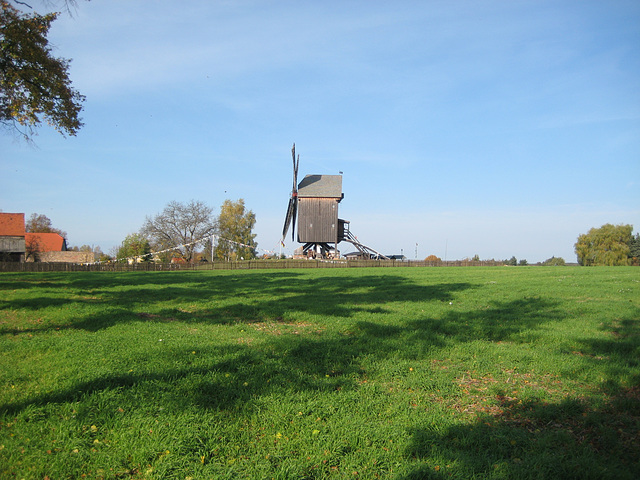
<point>620,350</point>
<point>572,439</point>
<point>131,288</point>
<point>498,321</point>
<point>222,299</point>
<point>594,437</point>
<point>234,374</point>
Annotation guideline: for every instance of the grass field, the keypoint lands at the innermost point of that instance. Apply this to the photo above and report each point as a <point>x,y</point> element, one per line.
<point>401,373</point>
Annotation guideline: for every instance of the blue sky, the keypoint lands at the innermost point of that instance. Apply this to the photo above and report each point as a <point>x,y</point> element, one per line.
<point>497,128</point>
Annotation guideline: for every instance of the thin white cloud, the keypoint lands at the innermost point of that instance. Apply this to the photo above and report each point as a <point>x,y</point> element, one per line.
<point>134,47</point>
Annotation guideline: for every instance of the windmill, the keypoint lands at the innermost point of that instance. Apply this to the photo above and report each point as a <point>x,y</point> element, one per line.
<point>313,206</point>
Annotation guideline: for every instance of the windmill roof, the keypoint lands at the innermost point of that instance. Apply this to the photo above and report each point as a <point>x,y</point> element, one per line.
<point>323,186</point>
<point>12,224</point>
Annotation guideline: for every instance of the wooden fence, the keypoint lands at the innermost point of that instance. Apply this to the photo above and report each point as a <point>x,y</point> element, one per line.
<point>240,265</point>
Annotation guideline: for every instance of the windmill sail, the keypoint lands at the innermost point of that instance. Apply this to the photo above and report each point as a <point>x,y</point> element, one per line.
<point>288,218</point>
<point>292,209</point>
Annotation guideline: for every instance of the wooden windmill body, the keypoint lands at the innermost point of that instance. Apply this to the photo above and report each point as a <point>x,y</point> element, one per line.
<point>318,224</point>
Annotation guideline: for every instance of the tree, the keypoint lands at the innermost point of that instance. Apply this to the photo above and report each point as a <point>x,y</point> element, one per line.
<point>34,85</point>
<point>634,250</point>
<point>69,5</point>
<point>179,226</point>
<point>433,258</point>
<point>234,229</point>
<point>97,251</point>
<point>513,261</point>
<point>38,223</point>
<point>554,262</point>
<point>134,245</point>
<point>607,245</point>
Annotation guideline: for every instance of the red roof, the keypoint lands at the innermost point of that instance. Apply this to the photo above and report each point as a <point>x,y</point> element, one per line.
<point>12,224</point>
<point>46,242</point>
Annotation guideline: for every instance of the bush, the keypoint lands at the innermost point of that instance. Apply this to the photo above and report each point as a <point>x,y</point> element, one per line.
<point>554,262</point>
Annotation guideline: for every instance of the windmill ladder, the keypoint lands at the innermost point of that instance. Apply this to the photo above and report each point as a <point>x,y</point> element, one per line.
<point>361,247</point>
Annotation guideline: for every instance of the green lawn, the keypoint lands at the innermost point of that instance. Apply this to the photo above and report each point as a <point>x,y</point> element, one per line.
<point>402,373</point>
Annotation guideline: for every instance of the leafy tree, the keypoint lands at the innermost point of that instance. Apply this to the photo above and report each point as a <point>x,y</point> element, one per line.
<point>607,245</point>
<point>34,85</point>
<point>38,223</point>
<point>634,250</point>
<point>433,258</point>
<point>235,224</point>
<point>513,261</point>
<point>634,246</point>
<point>134,245</point>
<point>179,226</point>
<point>523,262</point>
<point>554,261</point>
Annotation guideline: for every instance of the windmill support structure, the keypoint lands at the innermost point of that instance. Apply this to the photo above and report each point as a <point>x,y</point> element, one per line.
<point>326,250</point>
<point>366,252</point>
<point>319,250</point>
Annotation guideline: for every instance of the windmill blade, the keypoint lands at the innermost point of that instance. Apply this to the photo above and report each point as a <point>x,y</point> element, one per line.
<point>289,216</point>
<point>292,209</point>
<point>293,217</point>
<point>295,169</point>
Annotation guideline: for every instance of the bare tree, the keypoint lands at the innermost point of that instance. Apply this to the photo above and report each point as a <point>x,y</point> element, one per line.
<point>38,223</point>
<point>69,5</point>
<point>178,226</point>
